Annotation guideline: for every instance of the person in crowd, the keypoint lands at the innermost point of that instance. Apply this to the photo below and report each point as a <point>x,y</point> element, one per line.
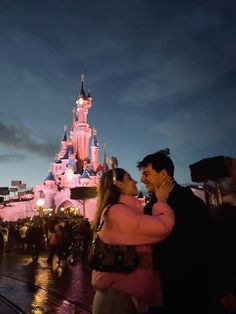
<point>5,233</point>
<point>52,240</point>
<point>64,236</point>
<point>23,236</point>
<point>36,238</point>
<point>87,236</point>
<point>225,246</point>
<point>184,257</point>
<point>11,237</point>
<point>16,231</point>
<point>224,217</point>
<point>125,223</point>
<point>1,242</point>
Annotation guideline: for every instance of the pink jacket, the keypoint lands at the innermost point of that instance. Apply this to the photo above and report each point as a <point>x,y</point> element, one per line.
<point>126,224</point>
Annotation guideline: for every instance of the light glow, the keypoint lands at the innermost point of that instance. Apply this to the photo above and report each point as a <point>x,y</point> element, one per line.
<point>40,202</point>
<point>81,101</point>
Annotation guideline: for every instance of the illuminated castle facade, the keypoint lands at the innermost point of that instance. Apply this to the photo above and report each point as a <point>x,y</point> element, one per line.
<point>76,164</point>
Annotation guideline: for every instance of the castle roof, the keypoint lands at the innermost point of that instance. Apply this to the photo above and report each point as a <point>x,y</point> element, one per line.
<point>82,92</point>
<point>64,139</point>
<point>89,94</point>
<point>94,141</point>
<point>50,176</point>
<point>66,155</point>
<point>84,175</point>
<point>70,149</point>
<point>90,170</point>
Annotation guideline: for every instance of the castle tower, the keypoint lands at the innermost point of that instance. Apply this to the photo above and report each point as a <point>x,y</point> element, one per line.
<point>82,132</point>
<point>64,140</point>
<point>94,151</point>
<point>63,144</point>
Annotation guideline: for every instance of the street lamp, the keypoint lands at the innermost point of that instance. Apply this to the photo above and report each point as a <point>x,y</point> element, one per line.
<point>40,204</point>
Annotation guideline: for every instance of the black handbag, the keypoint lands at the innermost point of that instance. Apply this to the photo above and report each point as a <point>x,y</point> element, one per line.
<point>112,258</point>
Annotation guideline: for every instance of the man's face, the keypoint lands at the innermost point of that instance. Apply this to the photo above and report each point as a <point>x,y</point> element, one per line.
<point>151,177</point>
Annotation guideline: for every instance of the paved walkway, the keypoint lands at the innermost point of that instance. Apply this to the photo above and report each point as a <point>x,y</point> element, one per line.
<point>66,290</point>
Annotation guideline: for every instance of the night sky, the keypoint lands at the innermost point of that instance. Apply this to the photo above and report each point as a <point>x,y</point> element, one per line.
<point>161,73</point>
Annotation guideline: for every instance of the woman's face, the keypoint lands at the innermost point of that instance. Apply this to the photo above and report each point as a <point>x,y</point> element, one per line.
<point>128,185</point>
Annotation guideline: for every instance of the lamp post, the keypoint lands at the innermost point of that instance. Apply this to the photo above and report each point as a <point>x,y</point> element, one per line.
<point>83,193</point>
<point>40,204</point>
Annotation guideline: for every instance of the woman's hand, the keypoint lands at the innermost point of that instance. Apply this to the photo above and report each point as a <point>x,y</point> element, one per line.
<point>162,193</point>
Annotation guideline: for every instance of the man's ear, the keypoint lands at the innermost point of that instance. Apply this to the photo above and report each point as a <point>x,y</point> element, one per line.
<point>164,173</point>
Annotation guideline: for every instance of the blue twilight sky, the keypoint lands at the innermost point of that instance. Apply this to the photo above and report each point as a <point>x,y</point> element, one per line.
<point>162,73</point>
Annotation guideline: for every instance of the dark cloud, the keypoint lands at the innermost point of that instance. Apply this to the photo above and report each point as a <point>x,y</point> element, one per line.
<point>20,137</point>
<point>5,158</point>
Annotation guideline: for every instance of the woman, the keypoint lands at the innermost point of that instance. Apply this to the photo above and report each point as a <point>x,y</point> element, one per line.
<point>125,223</point>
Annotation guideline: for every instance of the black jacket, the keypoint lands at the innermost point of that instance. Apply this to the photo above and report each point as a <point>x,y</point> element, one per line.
<point>184,258</point>
<point>189,241</point>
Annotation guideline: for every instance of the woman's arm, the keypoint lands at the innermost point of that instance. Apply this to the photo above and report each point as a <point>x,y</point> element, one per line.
<point>127,226</point>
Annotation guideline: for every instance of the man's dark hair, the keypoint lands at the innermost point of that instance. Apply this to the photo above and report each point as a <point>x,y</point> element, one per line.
<point>159,161</point>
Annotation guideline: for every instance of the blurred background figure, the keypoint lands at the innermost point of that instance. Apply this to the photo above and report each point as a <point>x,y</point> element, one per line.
<point>1,242</point>
<point>52,239</point>
<point>4,232</point>
<point>225,247</point>
<point>36,237</point>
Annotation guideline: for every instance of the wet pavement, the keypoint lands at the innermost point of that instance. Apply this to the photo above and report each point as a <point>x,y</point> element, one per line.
<point>37,288</point>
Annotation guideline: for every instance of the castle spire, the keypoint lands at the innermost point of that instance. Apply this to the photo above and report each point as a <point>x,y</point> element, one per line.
<point>89,93</point>
<point>64,139</point>
<point>94,150</point>
<point>82,92</point>
<point>73,119</point>
<point>82,132</point>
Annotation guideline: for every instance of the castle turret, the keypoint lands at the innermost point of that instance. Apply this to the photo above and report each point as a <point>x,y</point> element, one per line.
<point>81,132</point>
<point>64,139</point>
<point>63,144</point>
<point>94,151</point>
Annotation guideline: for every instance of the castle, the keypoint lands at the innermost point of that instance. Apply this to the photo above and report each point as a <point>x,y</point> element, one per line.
<point>76,165</point>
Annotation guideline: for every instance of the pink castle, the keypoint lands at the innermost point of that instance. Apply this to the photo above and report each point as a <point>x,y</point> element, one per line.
<point>76,166</point>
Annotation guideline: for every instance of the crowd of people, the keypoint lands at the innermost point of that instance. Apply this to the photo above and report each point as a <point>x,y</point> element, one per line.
<point>53,235</point>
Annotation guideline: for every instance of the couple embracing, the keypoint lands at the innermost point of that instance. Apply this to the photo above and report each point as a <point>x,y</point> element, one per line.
<point>171,235</point>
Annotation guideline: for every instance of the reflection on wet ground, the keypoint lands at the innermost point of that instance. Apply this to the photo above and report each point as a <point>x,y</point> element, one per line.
<point>66,290</point>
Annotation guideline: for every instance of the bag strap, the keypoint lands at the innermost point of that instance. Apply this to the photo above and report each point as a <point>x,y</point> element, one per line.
<point>104,212</point>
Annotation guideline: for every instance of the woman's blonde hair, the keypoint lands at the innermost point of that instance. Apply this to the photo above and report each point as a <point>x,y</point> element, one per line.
<point>108,192</point>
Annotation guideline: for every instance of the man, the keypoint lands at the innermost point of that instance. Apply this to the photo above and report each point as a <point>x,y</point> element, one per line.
<point>183,259</point>
<point>36,238</point>
<point>1,241</point>
<point>225,222</point>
